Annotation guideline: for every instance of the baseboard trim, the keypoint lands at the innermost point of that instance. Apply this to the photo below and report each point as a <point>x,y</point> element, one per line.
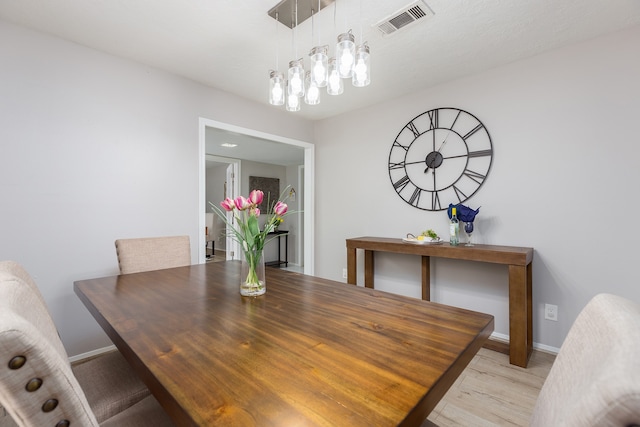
<point>92,353</point>
<point>495,336</point>
<point>536,346</point>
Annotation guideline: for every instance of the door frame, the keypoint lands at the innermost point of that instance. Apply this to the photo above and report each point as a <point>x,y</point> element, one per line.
<point>309,161</point>
<point>232,248</point>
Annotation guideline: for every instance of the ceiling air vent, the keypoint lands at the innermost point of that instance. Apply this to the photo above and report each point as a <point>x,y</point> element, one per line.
<point>403,17</point>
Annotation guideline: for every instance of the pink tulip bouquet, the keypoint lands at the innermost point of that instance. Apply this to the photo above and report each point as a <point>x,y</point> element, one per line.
<point>245,230</point>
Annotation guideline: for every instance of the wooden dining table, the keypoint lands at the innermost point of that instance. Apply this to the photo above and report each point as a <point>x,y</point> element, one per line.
<point>309,352</point>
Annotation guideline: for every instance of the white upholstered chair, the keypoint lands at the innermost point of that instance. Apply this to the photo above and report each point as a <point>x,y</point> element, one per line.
<point>152,253</point>
<point>38,386</point>
<point>595,379</point>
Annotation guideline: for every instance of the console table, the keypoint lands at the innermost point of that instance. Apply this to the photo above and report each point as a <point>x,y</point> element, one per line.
<point>519,261</point>
<point>277,263</point>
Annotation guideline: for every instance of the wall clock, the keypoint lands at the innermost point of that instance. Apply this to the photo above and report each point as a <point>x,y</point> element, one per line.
<point>441,156</point>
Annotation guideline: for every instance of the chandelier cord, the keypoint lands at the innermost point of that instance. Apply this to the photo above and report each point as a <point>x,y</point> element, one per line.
<point>361,39</point>
<point>318,28</point>
<point>295,31</point>
<point>277,47</point>
<point>313,27</point>
<point>335,9</point>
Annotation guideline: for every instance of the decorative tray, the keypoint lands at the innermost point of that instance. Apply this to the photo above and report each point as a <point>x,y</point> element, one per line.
<point>426,241</point>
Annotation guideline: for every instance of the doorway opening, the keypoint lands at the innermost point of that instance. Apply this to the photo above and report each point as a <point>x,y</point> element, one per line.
<point>305,184</point>
<point>225,172</point>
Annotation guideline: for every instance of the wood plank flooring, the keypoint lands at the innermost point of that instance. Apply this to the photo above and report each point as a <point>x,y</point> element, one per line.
<point>491,392</point>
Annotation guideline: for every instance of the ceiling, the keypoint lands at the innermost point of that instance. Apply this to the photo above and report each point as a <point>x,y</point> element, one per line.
<point>250,148</point>
<point>232,44</point>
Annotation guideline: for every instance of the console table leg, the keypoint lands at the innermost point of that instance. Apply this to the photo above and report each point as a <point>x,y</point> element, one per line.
<point>368,269</point>
<point>520,308</point>
<point>426,278</point>
<point>286,250</point>
<point>529,309</point>
<point>351,266</point>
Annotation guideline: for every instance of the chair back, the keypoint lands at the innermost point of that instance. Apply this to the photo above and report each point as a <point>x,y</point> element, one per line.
<point>152,253</point>
<point>37,385</point>
<point>595,379</point>
<point>39,314</point>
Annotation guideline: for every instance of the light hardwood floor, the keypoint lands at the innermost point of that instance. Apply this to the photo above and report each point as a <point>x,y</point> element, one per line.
<point>491,392</point>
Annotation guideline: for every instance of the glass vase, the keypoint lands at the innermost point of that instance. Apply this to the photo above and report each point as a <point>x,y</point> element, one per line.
<point>468,228</point>
<point>252,278</point>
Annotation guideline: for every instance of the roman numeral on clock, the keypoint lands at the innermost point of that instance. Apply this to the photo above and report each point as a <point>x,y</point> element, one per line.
<point>472,131</point>
<point>415,197</point>
<point>475,176</point>
<point>435,201</point>
<point>412,127</point>
<point>400,184</point>
<point>480,153</point>
<point>433,118</point>
<point>397,144</point>
<point>459,194</point>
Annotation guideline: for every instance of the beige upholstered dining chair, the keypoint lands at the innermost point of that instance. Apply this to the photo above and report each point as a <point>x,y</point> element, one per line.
<point>595,379</point>
<point>39,387</point>
<point>152,253</point>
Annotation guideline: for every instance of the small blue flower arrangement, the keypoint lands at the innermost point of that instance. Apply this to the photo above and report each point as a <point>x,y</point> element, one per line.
<point>464,213</point>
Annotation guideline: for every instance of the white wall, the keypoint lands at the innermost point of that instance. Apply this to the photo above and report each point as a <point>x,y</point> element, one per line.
<point>267,170</point>
<point>564,181</point>
<point>95,148</point>
<point>292,221</point>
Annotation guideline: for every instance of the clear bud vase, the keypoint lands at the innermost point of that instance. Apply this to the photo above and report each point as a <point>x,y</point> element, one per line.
<point>252,278</point>
<point>468,228</point>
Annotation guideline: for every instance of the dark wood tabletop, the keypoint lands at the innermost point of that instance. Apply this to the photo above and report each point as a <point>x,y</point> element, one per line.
<point>512,255</point>
<point>310,352</point>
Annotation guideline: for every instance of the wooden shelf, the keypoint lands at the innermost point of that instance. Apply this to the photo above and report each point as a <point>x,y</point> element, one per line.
<point>518,259</point>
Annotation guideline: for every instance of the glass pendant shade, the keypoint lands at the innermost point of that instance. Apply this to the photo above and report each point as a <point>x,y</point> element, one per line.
<point>362,68</point>
<point>296,78</point>
<point>292,101</point>
<point>334,84</point>
<point>345,53</point>
<point>312,92</point>
<point>276,88</point>
<point>319,65</point>
<point>301,84</point>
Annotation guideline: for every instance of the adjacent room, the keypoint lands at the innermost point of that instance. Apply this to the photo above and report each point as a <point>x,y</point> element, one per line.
<point>319,213</point>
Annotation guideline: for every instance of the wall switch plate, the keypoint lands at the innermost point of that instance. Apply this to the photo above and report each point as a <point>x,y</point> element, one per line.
<point>344,273</point>
<point>551,312</point>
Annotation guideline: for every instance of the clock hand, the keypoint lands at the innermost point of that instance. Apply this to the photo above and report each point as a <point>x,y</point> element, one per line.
<point>444,142</point>
<point>434,158</point>
<point>430,166</point>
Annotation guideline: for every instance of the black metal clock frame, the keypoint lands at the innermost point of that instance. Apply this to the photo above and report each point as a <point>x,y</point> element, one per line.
<point>439,157</point>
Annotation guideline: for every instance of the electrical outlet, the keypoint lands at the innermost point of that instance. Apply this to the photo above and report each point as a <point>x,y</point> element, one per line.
<point>551,312</point>
<point>344,273</point>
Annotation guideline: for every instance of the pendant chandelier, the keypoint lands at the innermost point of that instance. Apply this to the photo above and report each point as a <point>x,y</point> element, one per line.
<point>300,84</point>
